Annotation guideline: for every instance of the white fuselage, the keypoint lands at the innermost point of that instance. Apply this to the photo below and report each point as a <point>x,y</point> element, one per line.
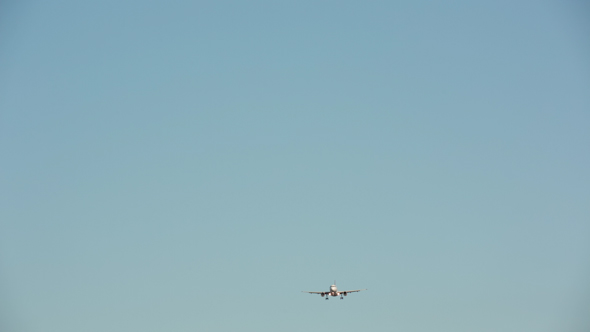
<point>334,290</point>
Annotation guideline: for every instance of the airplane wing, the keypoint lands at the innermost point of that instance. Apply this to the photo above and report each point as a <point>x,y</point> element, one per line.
<point>351,291</point>
<point>315,292</point>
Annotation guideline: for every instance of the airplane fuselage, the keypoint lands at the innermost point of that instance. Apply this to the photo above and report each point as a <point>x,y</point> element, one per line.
<point>334,291</point>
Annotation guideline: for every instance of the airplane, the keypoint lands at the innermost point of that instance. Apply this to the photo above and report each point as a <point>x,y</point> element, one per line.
<point>335,292</point>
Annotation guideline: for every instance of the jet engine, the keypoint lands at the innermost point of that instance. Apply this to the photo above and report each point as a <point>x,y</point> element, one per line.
<point>344,293</point>
<point>323,294</point>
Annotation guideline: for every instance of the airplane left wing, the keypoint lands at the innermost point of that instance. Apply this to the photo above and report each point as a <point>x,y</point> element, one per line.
<point>351,291</point>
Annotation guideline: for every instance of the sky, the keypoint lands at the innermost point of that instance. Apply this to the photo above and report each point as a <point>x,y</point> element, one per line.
<point>195,165</point>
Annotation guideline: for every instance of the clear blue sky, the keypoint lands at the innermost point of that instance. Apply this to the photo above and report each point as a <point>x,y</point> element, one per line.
<point>195,165</point>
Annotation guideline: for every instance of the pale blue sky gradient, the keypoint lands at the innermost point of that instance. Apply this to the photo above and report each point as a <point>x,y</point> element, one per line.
<point>193,166</point>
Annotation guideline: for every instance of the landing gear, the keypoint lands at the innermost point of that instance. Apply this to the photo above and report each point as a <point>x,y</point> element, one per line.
<point>327,298</point>
<point>341,297</point>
